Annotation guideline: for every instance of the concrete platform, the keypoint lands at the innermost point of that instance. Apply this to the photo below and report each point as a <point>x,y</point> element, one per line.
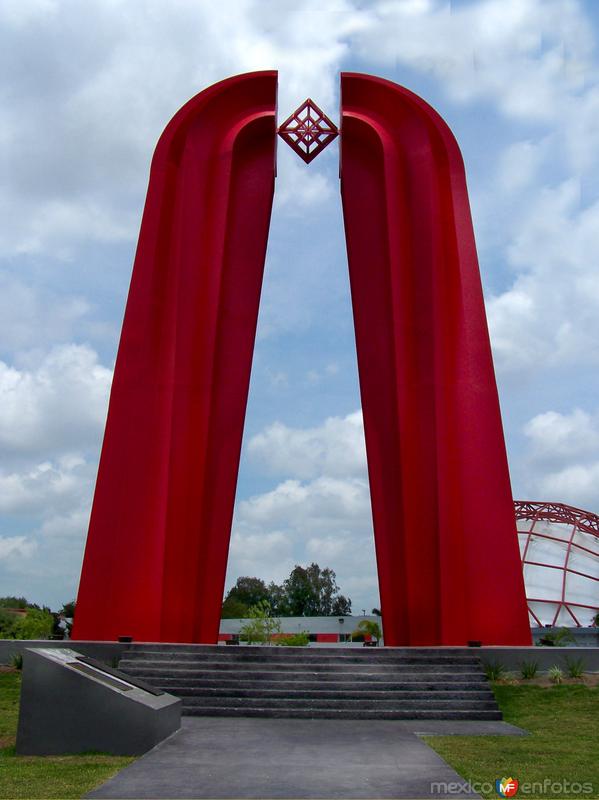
<point>282,758</point>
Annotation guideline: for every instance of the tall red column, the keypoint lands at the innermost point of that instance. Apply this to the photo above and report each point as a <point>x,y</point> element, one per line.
<point>158,540</point>
<point>446,542</point>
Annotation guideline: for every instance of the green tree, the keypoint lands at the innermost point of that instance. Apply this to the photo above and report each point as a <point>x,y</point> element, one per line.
<point>301,595</point>
<point>261,626</point>
<point>341,606</point>
<point>307,592</point>
<point>13,602</point>
<point>234,609</point>
<point>313,592</point>
<point>367,627</point>
<point>248,591</point>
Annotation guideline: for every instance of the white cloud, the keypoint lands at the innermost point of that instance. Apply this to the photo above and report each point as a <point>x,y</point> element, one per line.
<point>577,485</point>
<point>563,458</point>
<point>31,314</point>
<point>57,405</point>
<point>52,501</point>
<point>79,131</point>
<point>527,56</point>
<point>327,502</point>
<point>519,164</point>
<point>549,317</point>
<point>11,546</point>
<point>45,487</point>
<point>335,448</point>
<point>52,411</point>
<point>299,190</point>
<point>325,518</point>
<point>563,437</point>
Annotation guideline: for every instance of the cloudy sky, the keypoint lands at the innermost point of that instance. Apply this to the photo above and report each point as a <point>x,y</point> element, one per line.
<point>87,88</point>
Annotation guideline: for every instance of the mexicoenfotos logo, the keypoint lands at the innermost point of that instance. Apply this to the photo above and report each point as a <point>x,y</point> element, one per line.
<point>509,787</point>
<point>506,787</point>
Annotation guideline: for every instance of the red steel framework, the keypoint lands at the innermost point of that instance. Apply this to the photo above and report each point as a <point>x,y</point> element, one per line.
<point>308,131</point>
<point>583,522</point>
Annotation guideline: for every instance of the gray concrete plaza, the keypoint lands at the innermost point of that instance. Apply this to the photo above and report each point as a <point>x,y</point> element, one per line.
<point>287,758</point>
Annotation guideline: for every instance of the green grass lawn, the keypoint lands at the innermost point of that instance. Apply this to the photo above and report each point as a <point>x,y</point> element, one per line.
<point>43,776</point>
<point>563,722</point>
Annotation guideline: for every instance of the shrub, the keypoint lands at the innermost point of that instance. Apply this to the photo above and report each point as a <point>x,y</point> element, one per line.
<point>36,624</point>
<point>556,638</point>
<point>575,667</point>
<point>556,674</point>
<point>367,627</point>
<point>494,671</point>
<point>528,669</point>
<point>293,639</point>
<point>261,627</point>
<point>7,624</point>
<point>17,660</point>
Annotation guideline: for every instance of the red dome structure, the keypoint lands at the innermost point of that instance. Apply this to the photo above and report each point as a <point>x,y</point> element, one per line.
<point>559,547</point>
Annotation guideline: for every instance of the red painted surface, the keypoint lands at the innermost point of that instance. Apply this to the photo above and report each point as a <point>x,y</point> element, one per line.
<point>327,637</point>
<point>158,540</point>
<point>446,543</point>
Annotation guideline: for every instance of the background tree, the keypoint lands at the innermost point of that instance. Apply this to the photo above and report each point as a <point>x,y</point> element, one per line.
<point>234,609</point>
<point>249,591</point>
<point>246,593</point>
<point>277,599</point>
<point>341,606</point>
<point>13,602</point>
<point>300,594</point>
<point>307,592</point>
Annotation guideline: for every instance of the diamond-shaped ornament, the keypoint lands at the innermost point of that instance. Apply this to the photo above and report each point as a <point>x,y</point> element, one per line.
<point>308,131</point>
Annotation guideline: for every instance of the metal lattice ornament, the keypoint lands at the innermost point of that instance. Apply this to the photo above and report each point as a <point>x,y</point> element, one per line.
<point>308,131</point>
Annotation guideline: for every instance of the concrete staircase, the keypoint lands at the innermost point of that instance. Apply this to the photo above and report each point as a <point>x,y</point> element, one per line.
<point>338,683</point>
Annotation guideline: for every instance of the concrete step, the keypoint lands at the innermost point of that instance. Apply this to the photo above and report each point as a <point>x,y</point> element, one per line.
<point>297,654</point>
<point>389,703</point>
<point>273,675</point>
<point>294,664</point>
<point>337,651</point>
<point>330,713</point>
<point>332,694</point>
<point>170,684</point>
<point>401,683</point>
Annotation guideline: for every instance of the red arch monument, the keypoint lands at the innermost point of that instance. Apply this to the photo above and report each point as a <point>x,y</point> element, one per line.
<point>446,544</point>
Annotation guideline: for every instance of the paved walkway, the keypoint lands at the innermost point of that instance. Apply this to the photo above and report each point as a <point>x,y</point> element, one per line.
<point>216,757</point>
